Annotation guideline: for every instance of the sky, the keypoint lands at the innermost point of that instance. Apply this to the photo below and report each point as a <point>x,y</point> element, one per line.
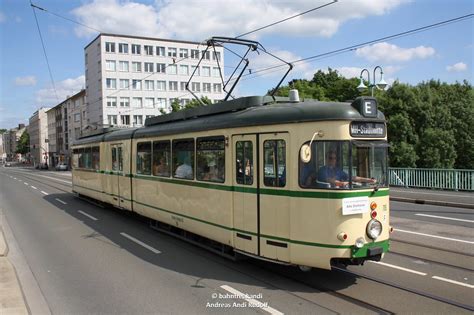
<point>444,53</point>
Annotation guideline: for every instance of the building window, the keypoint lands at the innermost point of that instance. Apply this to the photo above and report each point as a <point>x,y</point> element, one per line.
<point>161,103</point>
<point>149,85</point>
<point>217,56</point>
<point>123,48</point>
<point>110,65</point>
<point>136,84</point>
<point>183,53</point>
<point>195,70</point>
<point>136,49</point>
<point>184,102</point>
<point>206,71</point>
<point>112,119</point>
<point>172,69</point>
<point>161,85</point>
<point>125,102</point>
<point>148,66</point>
<point>137,102</point>
<point>109,47</point>
<point>172,52</point>
<point>125,119</point>
<point>111,101</point>
<point>160,68</point>
<point>136,66</point>
<point>111,83</point>
<point>206,55</point>
<point>210,157</point>
<point>216,72</point>
<point>148,117</point>
<point>137,120</point>
<point>194,54</point>
<point>206,87</point>
<point>148,50</point>
<point>196,87</point>
<point>77,117</point>
<point>183,70</point>
<point>144,158</point>
<point>217,88</point>
<point>183,158</point>
<point>182,86</point>
<point>124,84</point>
<point>149,102</point>
<point>160,51</point>
<point>173,85</point>
<point>123,66</point>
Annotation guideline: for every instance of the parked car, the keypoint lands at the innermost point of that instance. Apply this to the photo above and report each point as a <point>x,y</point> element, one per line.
<point>61,167</point>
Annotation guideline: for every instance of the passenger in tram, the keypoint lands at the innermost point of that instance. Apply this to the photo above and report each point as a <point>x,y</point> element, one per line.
<point>162,169</point>
<point>184,170</point>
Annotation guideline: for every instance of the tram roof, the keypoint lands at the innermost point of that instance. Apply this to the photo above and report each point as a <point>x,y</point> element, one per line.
<point>243,112</point>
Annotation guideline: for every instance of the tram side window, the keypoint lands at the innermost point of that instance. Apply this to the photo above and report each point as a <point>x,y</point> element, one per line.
<point>210,159</point>
<point>95,158</point>
<point>244,163</point>
<point>88,157</point>
<point>144,158</point>
<point>80,157</point>
<point>162,158</point>
<point>75,158</point>
<point>183,158</point>
<point>274,163</point>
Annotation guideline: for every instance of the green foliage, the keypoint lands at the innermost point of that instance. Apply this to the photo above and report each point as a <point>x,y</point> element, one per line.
<point>2,131</point>
<point>23,145</point>
<point>176,105</point>
<point>429,125</point>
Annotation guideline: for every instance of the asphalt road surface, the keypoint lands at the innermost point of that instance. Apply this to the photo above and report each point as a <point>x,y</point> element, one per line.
<point>86,260</point>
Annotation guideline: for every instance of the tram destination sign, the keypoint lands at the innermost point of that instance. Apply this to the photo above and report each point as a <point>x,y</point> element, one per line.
<point>367,129</point>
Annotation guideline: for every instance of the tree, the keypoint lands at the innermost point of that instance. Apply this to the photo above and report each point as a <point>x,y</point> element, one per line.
<point>23,144</point>
<point>2,131</point>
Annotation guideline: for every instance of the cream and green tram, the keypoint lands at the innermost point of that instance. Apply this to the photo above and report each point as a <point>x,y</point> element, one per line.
<point>301,183</point>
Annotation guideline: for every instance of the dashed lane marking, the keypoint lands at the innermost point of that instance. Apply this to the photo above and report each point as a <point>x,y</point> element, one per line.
<point>44,193</point>
<point>454,282</point>
<point>435,236</point>
<point>398,267</point>
<point>64,203</point>
<point>444,218</point>
<point>34,187</point>
<point>87,215</point>
<point>255,303</point>
<point>140,243</point>
<point>25,183</point>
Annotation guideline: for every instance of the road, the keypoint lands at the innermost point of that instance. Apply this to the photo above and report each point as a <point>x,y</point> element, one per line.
<point>87,259</point>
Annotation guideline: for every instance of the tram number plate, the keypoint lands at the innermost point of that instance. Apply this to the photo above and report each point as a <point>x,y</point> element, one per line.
<point>355,205</point>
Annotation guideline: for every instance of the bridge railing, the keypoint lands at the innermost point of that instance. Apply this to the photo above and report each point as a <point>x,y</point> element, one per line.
<point>432,178</point>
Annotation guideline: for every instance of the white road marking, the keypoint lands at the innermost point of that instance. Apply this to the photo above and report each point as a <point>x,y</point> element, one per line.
<point>255,303</point>
<point>398,267</point>
<point>64,203</point>
<point>454,282</point>
<point>445,218</point>
<point>44,193</point>
<point>25,183</point>
<point>140,243</point>
<point>435,236</point>
<point>87,215</point>
<point>34,187</point>
<point>14,177</point>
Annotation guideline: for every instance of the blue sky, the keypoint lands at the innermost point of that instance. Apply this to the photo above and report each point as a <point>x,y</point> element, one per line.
<point>444,53</point>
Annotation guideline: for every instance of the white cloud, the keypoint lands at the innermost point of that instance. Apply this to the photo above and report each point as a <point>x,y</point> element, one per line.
<point>3,18</point>
<point>197,20</point>
<point>65,88</point>
<point>457,67</point>
<point>25,81</point>
<point>388,52</point>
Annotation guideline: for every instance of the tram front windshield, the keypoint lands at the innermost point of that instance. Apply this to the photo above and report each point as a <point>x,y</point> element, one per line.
<point>345,165</point>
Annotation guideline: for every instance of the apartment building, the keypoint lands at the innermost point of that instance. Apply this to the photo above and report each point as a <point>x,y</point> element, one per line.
<point>51,117</point>
<point>129,78</point>
<point>10,139</point>
<point>38,130</point>
<point>77,122</point>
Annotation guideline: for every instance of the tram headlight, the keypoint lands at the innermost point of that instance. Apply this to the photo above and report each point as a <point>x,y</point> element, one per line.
<point>374,229</point>
<point>360,242</point>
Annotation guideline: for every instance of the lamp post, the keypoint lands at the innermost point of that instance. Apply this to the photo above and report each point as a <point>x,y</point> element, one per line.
<point>380,85</point>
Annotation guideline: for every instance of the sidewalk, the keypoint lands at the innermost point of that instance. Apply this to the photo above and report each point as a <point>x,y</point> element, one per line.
<point>445,198</point>
<point>12,300</point>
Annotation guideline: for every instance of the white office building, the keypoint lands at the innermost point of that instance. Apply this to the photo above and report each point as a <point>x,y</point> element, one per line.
<point>129,78</point>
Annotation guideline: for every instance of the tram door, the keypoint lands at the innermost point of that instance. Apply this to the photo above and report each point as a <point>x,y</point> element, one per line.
<point>274,203</point>
<point>245,193</point>
<point>117,172</point>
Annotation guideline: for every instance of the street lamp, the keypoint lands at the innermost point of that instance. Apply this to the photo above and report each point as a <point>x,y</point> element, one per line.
<point>380,85</point>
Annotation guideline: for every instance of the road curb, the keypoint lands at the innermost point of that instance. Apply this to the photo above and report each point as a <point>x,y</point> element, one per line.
<point>3,243</point>
<point>434,202</point>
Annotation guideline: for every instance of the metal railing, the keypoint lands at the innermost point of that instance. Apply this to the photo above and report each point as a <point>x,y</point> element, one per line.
<point>432,178</point>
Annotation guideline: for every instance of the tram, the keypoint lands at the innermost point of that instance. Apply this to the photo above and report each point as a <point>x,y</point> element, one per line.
<point>294,182</point>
